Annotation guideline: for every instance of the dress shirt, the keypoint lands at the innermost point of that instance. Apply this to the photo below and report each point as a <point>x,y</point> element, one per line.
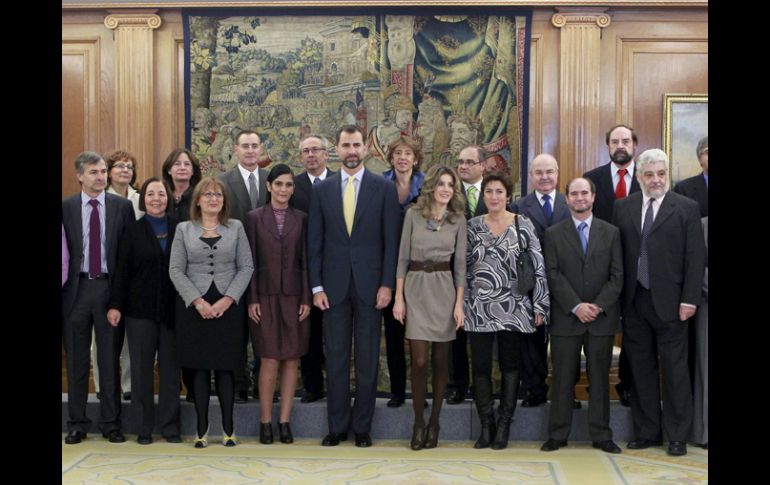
<point>245,176</point>
<point>313,177</point>
<point>616,178</point>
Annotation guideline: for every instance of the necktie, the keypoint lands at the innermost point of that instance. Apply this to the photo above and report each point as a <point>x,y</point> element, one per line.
<point>349,205</point>
<point>583,239</point>
<point>94,241</point>
<point>473,199</point>
<point>643,275</point>
<point>547,207</point>
<point>316,180</point>
<point>620,190</point>
<point>253,195</point>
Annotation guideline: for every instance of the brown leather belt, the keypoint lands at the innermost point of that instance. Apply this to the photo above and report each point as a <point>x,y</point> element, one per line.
<point>429,266</point>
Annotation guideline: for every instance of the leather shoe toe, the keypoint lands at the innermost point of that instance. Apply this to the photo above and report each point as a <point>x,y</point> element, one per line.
<point>363,440</point>
<point>333,439</point>
<point>677,448</point>
<point>312,396</point>
<point>395,402</point>
<point>607,446</point>
<point>553,445</point>
<point>642,444</point>
<point>74,437</point>
<point>577,404</point>
<point>532,401</point>
<point>144,439</point>
<point>174,439</point>
<point>456,397</point>
<point>114,436</point>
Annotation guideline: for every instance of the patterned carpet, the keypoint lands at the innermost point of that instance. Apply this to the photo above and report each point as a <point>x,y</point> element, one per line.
<point>96,461</point>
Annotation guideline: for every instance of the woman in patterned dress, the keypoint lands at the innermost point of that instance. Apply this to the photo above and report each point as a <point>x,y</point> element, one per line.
<point>495,308</point>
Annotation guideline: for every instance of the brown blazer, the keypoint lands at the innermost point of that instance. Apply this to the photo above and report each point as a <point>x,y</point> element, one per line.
<point>280,263</point>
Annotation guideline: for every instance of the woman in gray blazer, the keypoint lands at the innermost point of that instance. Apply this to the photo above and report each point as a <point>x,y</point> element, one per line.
<point>211,266</point>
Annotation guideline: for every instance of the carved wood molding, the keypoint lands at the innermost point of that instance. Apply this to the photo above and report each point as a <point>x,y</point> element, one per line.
<point>115,21</point>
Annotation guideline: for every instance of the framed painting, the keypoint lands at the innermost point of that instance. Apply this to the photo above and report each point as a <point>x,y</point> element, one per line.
<point>447,77</point>
<point>685,121</point>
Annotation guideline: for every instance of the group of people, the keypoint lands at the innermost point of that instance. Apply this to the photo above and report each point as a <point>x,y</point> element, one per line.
<point>314,262</point>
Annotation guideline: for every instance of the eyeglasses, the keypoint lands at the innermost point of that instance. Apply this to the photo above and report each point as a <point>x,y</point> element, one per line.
<point>211,195</point>
<point>312,150</point>
<point>123,166</point>
<point>467,162</point>
<point>246,146</point>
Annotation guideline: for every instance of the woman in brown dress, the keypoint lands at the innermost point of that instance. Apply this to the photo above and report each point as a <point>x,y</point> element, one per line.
<point>278,297</point>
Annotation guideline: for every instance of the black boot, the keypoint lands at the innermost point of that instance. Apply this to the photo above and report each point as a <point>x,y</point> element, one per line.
<point>510,384</point>
<point>482,395</point>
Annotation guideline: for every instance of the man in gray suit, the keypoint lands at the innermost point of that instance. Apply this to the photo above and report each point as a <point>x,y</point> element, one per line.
<point>246,185</point>
<point>545,206</point>
<point>94,222</point>
<point>584,264</point>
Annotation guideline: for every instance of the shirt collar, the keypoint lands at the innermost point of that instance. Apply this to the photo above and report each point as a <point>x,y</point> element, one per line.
<point>245,173</point>
<point>588,221</point>
<point>322,176</point>
<point>614,168</point>
<point>84,198</point>
<point>552,194</point>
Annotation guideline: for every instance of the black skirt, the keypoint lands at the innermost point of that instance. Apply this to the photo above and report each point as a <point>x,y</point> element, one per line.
<point>210,344</point>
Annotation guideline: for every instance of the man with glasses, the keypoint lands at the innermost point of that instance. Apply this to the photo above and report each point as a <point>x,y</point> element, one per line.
<point>313,153</point>
<point>247,190</point>
<point>470,168</point>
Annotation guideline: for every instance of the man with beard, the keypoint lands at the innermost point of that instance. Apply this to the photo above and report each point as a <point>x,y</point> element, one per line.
<point>664,261</point>
<point>612,181</point>
<point>353,234</point>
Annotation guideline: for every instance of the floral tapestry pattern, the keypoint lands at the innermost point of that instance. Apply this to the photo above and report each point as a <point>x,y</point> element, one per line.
<point>446,80</point>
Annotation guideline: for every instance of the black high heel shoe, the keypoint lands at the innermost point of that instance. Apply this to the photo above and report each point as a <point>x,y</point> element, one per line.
<point>431,438</point>
<point>266,433</point>
<point>418,437</point>
<point>284,433</point>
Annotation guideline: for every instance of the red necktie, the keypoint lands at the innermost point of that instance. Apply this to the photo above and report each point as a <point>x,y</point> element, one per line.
<point>94,241</point>
<point>620,190</point>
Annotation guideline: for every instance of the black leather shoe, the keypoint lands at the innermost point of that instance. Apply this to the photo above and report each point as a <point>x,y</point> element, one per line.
<point>418,437</point>
<point>74,437</point>
<point>189,397</point>
<point>553,445</point>
<point>114,435</point>
<point>608,446</point>
<point>532,401</point>
<point>705,446</point>
<point>395,402</point>
<point>456,397</point>
<point>643,444</point>
<point>266,433</point>
<point>144,439</point>
<point>126,396</point>
<point>284,433</point>
<point>241,397</point>
<point>363,440</point>
<point>431,438</point>
<point>625,398</point>
<point>99,396</point>
<point>333,439</point>
<point>677,448</point>
<point>312,396</point>
<point>174,438</point>
<point>577,404</point>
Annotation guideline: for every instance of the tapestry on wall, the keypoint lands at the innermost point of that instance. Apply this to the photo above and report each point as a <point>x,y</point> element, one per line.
<point>446,80</point>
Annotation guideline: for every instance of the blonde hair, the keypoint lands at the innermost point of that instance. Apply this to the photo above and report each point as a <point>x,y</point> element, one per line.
<point>195,209</point>
<point>456,204</point>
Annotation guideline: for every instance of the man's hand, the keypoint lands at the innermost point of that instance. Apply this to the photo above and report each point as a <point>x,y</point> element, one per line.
<point>384,294</point>
<point>321,300</point>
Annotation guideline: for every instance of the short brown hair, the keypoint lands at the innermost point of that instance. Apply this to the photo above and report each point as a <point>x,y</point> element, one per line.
<point>117,156</point>
<point>500,177</point>
<point>171,159</point>
<point>195,209</point>
<point>143,190</point>
<point>246,132</point>
<point>633,134</point>
<point>411,143</point>
<point>349,129</point>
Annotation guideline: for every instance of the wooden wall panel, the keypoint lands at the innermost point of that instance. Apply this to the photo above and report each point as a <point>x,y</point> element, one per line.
<point>169,94</point>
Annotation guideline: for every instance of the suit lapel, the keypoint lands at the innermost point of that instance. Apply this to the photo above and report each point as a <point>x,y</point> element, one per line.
<point>595,233</point>
<point>239,189</point>
<point>573,238</point>
<point>262,196</point>
<point>665,211</point>
<point>560,209</point>
<point>334,189</point>
<point>291,224</point>
<point>535,210</point>
<point>111,214</point>
<point>75,213</point>
<point>367,187</point>
<point>268,222</point>
<point>635,206</point>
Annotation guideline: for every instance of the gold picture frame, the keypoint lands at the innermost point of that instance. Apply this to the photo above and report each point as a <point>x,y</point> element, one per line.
<point>685,122</point>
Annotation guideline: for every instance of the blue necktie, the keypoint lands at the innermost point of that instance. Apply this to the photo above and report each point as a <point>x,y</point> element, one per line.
<point>547,207</point>
<point>583,239</point>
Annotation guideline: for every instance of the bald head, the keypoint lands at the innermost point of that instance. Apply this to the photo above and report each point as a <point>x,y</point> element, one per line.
<point>544,170</point>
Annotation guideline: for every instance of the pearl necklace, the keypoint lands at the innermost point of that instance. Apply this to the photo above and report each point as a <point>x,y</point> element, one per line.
<point>210,229</point>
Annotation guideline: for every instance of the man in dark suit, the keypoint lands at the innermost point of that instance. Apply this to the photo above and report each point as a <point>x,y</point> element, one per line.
<point>664,260</point>
<point>313,153</point>
<point>247,190</point>
<point>353,245</point>
<point>697,187</point>
<point>94,222</point>
<point>470,168</point>
<point>612,181</point>
<point>545,206</point>
<point>584,264</point>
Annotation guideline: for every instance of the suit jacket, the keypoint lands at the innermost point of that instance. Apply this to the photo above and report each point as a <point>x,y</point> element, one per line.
<point>303,189</point>
<point>696,189</point>
<point>605,194</point>
<point>676,252</point>
<point>194,265</point>
<point>119,213</point>
<point>141,287</point>
<point>280,262</point>
<point>530,207</point>
<point>481,207</point>
<point>238,193</point>
<point>369,253</point>
<point>596,277</point>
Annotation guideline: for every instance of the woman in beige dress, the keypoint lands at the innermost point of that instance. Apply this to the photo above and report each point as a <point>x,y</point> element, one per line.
<point>429,290</point>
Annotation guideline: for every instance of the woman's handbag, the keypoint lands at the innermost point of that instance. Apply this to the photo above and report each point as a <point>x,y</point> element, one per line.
<point>525,268</point>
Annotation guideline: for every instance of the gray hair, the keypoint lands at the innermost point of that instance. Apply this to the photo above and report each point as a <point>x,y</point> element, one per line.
<point>86,158</point>
<point>653,155</point>
<point>323,139</point>
<point>702,145</point>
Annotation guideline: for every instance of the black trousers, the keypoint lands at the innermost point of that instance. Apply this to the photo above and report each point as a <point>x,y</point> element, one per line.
<point>90,311</point>
<point>145,339</point>
<point>534,362</point>
<point>458,374</point>
<point>394,346</point>
<point>311,364</point>
<point>647,337</point>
